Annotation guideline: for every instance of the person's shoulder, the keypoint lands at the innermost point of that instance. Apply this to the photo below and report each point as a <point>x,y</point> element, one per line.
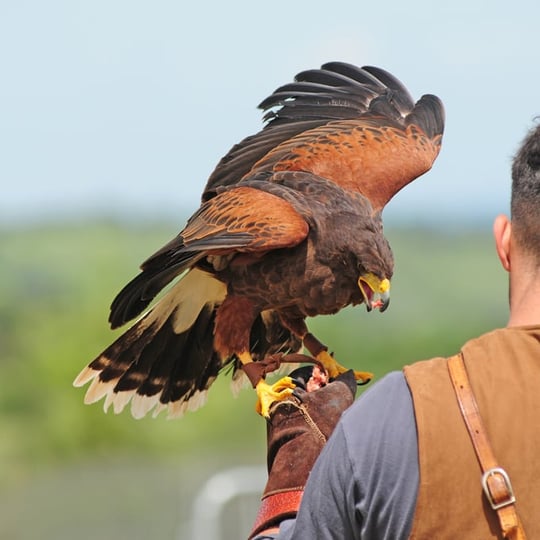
<point>392,382</point>
<point>386,400</point>
<point>436,366</point>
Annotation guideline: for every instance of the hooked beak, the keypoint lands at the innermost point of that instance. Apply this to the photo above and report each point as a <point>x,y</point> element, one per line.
<point>376,291</point>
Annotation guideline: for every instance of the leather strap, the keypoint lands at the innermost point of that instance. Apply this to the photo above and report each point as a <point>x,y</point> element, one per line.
<point>274,509</point>
<point>495,480</point>
<point>256,371</point>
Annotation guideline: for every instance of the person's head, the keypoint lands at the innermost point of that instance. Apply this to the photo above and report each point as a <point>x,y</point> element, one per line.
<point>518,238</point>
<point>525,205</point>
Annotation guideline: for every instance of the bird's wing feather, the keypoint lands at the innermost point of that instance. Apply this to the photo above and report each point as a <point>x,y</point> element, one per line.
<point>371,156</point>
<point>238,220</point>
<point>337,91</point>
<point>358,127</point>
<point>245,220</point>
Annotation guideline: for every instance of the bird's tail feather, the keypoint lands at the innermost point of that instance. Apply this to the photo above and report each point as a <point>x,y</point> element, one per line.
<point>166,360</point>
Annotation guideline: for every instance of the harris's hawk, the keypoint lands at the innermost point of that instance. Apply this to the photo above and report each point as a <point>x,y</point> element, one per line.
<point>289,227</point>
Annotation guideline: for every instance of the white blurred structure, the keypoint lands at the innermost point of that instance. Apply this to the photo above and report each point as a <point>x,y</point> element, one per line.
<point>226,505</point>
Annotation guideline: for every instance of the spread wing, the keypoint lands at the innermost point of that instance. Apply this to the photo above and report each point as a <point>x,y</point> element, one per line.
<point>358,127</point>
<point>241,220</point>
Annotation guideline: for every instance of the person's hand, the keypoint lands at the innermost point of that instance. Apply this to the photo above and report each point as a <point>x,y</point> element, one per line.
<point>297,430</point>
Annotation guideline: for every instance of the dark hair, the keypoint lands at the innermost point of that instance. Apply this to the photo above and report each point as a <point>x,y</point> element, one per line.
<point>525,204</point>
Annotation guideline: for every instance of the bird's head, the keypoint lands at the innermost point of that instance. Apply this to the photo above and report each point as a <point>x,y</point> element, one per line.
<point>375,290</point>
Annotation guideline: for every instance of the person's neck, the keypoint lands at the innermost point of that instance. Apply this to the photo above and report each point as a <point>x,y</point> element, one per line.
<point>525,299</point>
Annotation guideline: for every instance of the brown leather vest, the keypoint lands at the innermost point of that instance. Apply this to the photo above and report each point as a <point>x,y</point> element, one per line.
<point>504,369</point>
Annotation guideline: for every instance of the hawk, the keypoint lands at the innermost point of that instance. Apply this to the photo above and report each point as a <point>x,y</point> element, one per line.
<point>289,226</point>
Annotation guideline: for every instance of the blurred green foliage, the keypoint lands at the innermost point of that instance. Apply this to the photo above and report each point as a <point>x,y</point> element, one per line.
<point>57,281</point>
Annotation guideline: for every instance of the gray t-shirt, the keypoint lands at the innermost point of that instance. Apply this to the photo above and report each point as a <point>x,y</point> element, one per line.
<point>364,484</point>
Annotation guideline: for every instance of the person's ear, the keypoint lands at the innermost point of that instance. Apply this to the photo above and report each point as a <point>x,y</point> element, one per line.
<point>502,231</point>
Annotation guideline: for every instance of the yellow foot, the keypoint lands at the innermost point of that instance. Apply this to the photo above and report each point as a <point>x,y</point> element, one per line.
<point>334,369</point>
<point>268,393</point>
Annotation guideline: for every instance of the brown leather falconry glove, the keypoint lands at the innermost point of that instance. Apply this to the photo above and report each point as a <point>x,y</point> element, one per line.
<point>297,430</point>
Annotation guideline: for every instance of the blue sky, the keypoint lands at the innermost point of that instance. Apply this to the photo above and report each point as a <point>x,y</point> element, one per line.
<point>124,107</point>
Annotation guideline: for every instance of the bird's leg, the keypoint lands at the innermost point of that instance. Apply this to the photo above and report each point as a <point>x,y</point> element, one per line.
<point>266,393</point>
<point>320,352</point>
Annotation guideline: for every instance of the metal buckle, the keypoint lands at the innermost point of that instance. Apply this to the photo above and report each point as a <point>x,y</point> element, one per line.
<point>511,497</point>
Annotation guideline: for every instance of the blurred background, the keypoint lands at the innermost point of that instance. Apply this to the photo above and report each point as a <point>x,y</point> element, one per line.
<point>112,115</point>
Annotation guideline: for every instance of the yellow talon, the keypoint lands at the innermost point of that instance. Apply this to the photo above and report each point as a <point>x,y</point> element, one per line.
<point>269,393</point>
<point>334,368</point>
